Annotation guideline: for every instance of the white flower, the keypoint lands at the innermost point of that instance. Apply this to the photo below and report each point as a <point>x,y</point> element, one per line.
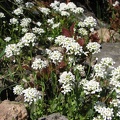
<point>13,21</point>
<point>2,15</point>
<point>31,95</point>
<point>18,11</point>
<point>17,90</point>
<point>25,22</point>
<point>71,6</point>
<point>105,112</point>
<point>55,56</point>
<point>29,4</point>
<point>91,87</point>
<point>66,79</point>
<point>99,70</point>
<point>39,64</point>
<point>107,62</point>
<point>116,4</point>
<point>80,68</point>
<point>12,49</point>
<point>19,1</point>
<point>27,39</point>
<point>115,102</point>
<point>65,13</point>
<point>7,39</point>
<point>93,47</point>
<point>62,7</point>
<point>55,5</point>
<point>98,118</point>
<point>39,24</point>
<point>50,21</point>
<point>71,46</point>
<point>24,30</point>
<point>83,31</point>
<point>44,10</point>
<point>81,24</point>
<point>116,73</point>
<point>38,30</point>
<point>90,22</point>
<point>78,10</point>
<point>55,25</point>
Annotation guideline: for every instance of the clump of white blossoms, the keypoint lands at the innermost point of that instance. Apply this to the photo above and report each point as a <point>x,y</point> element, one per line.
<point>18,11</point>
<point>13,21</point>
<point>2,15</point>
<point>31,95</point>
<point>66,79</point>
<point>55,25</point>
<point>107,62</point>
<point>25,22</point>
<point>91,87</point>
<point>7,39</point>
<point>19,1</point>
<point>17,90</point>
<point>99,70</point>
<point>105,112</point>
<point>38,30</point>
<point>83,31</point>
<point>93,47</point>
<point>29,4</point>
<point>27,39</point>
<point>12,49</point>
<point>44,10</point>
<point>80,68</point>
<point>90,22</point>
<point>71,46</point>
<point>115,77</point>
<point>55,56</point>
<point>39,64</point>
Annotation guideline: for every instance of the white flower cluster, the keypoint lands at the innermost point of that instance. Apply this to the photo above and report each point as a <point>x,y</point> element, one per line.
<point>25,22</point>
<point>7,39</point>
<point>2,15</point>
<point>44,10</point>
<point>38,30</point>
<point>27,39</point>
<point>12,49</point>
<point>116,3</point>
<point>31,95</point>
<point>91,87</point>
<point>39,64</point>
<point>93,47</point>
<point>105,112</point>
<point>66,79</point>
<point>115,103</point>
<point>55,25</point>
<point>18,11</point>
<point>103,68</point>
<point>17,90</point>
<point>71,46</point>
<point>13,21</point>
<point>107,62</point>
<point>55,56</point>
<point>100,70</point>
<point>97,118</point>
<point>83,31</point>
<point>90,22</point>
<point>80,68</point>
<point>115,79</point>
<point>64,8</point>
<point>19,1</point>
<point>29,4</point>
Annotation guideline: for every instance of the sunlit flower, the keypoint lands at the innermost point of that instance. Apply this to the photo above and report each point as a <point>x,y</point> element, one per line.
<point>39,64</point>
<point>93,47</point>
<point>29,4</point>
<point>18,11</point>
<point>7,39</point>
<point>25,22</point>
<point>38,30</point>
<point>2,15</point>
<point>31,95</point>
<point>18,89</point>
<point>55,56</point>
<point>14,21</point>
<point>44,10</point>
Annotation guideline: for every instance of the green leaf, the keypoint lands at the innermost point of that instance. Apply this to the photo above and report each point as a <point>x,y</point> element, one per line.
<point>2,53</point>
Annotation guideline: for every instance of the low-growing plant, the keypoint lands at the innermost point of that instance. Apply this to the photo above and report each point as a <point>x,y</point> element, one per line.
<point>48,52</point>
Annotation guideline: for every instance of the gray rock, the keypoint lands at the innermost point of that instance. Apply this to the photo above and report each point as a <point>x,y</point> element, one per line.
<point>110,50</point>
<point>54,116</point>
